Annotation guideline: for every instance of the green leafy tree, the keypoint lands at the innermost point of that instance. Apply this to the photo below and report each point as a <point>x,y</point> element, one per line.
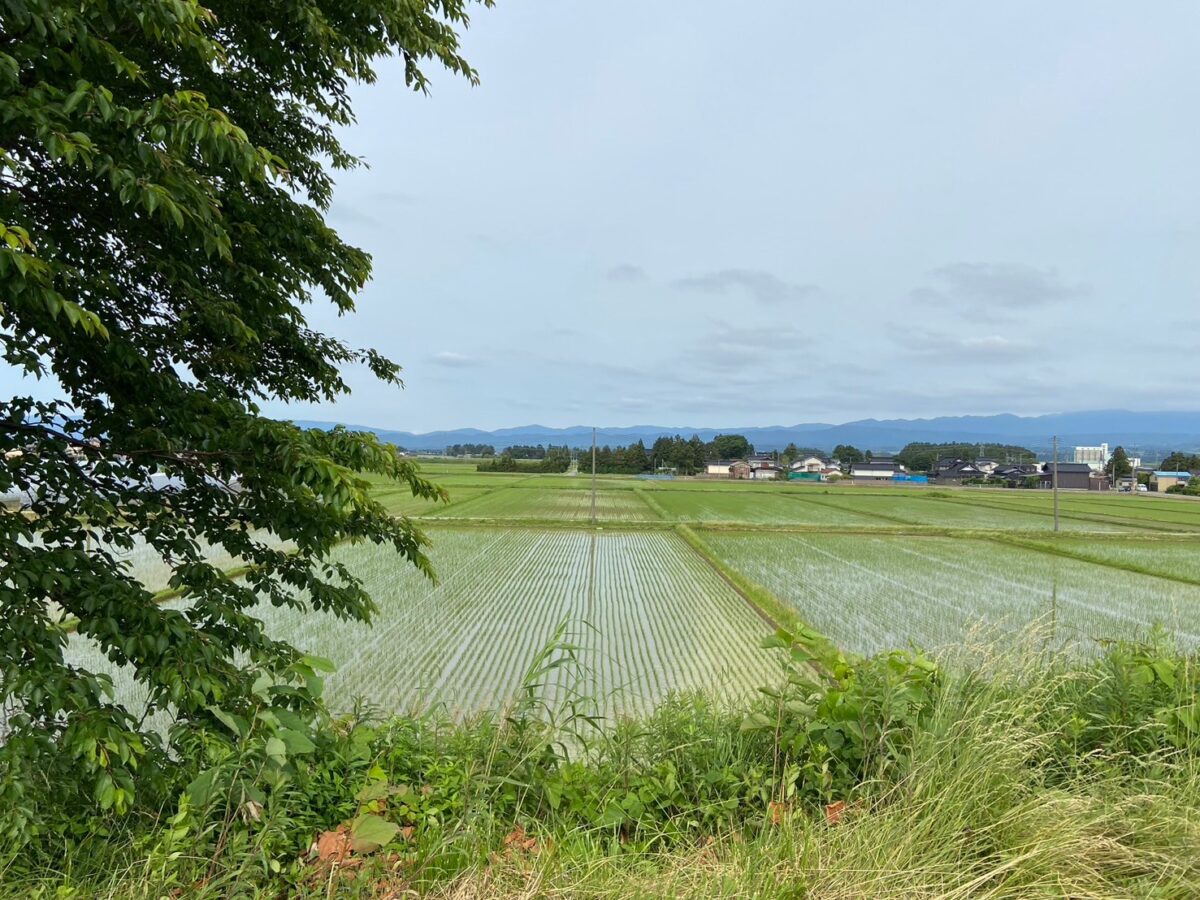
<point>165,169</point>
<point>847,456</point>
<point>920,456</point>
<point>1180,462</point>
<point>696,455</point>
<point>730,446</point>
<point>1118,465</point>
<point>636,459</point>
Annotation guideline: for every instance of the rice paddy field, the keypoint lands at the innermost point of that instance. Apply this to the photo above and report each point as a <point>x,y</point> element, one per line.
<point>647,615</point>
<point>519,556</point>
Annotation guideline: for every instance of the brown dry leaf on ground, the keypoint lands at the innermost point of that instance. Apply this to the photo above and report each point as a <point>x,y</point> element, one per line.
<point>776,810</point>
<point>332,846</point>
<point>195,888</point>
<point>520,842</point>
<point>834,811</point>
<point>518,845</point>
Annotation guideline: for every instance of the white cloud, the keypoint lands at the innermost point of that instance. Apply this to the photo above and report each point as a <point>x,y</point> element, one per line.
<point>453,360</point>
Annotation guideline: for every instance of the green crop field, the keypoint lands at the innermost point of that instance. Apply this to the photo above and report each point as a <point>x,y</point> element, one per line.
<point>649,614</point>
<point>869,593</point>
<point>519,502</point>
<point>1169,557</point>
<point>1152,513</point>
<point>778,508</point>
<point>871,568</point>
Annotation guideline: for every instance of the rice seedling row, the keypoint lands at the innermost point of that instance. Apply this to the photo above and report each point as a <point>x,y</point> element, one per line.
<point>1136,512</point>
<point>754,508</point>
<point>567,505</point>
<point>945,513</point>
<point>1167,556</point>
<point>872,593</point>
<point>657,620</point>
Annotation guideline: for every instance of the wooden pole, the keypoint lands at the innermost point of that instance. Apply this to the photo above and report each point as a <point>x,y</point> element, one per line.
<point>1054,470</point>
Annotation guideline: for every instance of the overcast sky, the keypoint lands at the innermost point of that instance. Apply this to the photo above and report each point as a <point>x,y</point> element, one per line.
<point>707,213</point>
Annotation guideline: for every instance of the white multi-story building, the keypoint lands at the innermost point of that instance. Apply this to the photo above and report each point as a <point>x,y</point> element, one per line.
<point>1095,457</point>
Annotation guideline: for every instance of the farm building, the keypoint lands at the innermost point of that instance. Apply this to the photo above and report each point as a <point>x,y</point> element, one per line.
<point>757,468</point>
<point>1160,481</point>
<point>718,466</point>
<point>1014,474</point>
<point>878,468</point>
<point>1074,477</point>
<point>813,464</point>
<point>765,470</point>
<point>956,471</point>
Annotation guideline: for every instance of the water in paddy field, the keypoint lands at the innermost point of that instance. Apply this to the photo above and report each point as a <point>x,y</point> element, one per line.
<point>872,593</point>
<point>647,614</point>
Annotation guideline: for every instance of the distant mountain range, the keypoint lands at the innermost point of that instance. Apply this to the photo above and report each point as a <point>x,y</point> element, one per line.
<point>1149,434</point>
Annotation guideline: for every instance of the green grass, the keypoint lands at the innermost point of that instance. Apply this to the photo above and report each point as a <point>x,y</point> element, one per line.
<point>1026,776</point>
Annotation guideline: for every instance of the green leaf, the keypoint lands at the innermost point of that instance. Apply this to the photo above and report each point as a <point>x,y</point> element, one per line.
<point>1165,672</point>
<point>612,815</point>
<point>296,742</point>
<point>779,640</point>
<point>276,749</point>
<point>320,663</point>
<point>369,832</point>
<point>200,790</point>
<point>375,790</point>
<point>756,722</point>
<point>553,793</point>
<point>233,722</point>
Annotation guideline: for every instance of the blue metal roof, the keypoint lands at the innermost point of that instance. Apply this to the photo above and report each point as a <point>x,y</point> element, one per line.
<point>1172,474</point>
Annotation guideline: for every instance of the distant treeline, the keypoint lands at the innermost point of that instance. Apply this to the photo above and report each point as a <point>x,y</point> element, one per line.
<point>516,451</point>
<point>470,450</point>
<point>1180,462</point>
<point>920,457</point>
<point>684,456</point>
<point>553,459</point>
<point>525,451</point>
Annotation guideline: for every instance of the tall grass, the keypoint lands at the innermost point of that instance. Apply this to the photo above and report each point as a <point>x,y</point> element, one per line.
<point>1031,775</point>
<point>988,808</point>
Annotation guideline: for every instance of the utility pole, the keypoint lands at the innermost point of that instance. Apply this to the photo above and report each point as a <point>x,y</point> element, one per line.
<point>1054,469</point>
<point>594,478</point>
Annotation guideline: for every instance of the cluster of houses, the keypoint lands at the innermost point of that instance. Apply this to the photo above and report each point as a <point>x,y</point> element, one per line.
<point>761,467</point>
<point>1087,473</point>
<point>808,468</point>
